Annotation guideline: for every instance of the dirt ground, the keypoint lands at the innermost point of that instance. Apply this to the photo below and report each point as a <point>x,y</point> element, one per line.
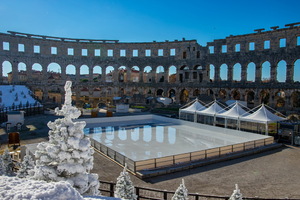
<point>272,174</point>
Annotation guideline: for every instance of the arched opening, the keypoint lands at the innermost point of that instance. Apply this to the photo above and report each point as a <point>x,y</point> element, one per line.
<point>122,74</point>
<point>295,99</point>
<point>159,92</point>
<point>7,71</point>
<point>53,72</point>
<point>84,73</point>
<point>38,93</point>
<point>147,76</point>
<point>281,71</point>
<point>280,98</point>
<point>210,93</point>
<point>196,93</point>
<point>236,95</point>
<point>237,72</point>
<point>97,73</point>
<point>222,94</point>
<point>135,74</point>
<point>250,98</point>
<point>296,76</point>
<point>251,72</point>
<point>109,71</point>
<point>266,72</point>
<point>160,71</point>
<point>22,72</point>
<point>184,96</point>
<point>71,72</point>
<point>172,94</point>
<point>37,74</point>
<point>172,74</point>
<point>224,72</point>
<point>211,72</point>
<point>264,96</point>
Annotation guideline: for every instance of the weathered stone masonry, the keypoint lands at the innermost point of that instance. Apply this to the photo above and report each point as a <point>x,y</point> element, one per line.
<point>192,62</point>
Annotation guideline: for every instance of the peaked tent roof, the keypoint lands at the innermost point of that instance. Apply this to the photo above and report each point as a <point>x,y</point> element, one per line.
<point>262,115</point>
<point>196,106</point>
<point>234,112</point>
<point>212,109</point>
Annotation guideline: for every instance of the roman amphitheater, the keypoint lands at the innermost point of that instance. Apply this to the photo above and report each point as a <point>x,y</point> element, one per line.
<point>229,68</point>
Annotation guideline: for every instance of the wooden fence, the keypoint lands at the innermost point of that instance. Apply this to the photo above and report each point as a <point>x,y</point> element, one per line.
<point>107,189</point>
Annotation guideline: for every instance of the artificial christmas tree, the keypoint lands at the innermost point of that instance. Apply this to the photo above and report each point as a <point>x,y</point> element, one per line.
<point>124,187</point>
<point>7,164</point>
<point>236,195</point>
<point>67,156</point>
<point>26,166</point>
<point>181,193</point>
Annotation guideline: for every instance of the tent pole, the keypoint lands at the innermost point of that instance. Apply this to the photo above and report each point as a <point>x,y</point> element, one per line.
<point>267,129</point>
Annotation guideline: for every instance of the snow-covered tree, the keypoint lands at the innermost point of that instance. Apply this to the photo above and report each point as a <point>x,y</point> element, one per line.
<point>67,156</point>
<point>236,195</point>
<point>181,193</point>
<point>7,164</point>
<point>124,188</point>
<point>26,166</point>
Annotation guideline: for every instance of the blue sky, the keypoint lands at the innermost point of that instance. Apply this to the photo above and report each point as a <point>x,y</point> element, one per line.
<point>145,21</point>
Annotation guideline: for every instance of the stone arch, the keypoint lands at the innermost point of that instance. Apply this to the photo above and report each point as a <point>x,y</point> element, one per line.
<point>224,72</point>
<point>97,73</point>
<point>184,96</point>
<point>296,76</point>
<point>266,72</point>
<point>71,72</point>
<point>196,93</point>
<point>171,93</point>
<point>159,92</point>
<point>135,74</point>
<point>109,72</point>
<point>250,96</point>
<point>237,72</point>
<point>84,73</point>
<point>122,74</point>
<point>148,74</point>
<point>264,96</point>
<point>295,99</point>
<point>235,94</point>
<point>210,92</point>
<point>39,93</point>
<point>222,94</point>
<point>172,74</point>
<point>22,67</point>
<point>280,98</point>
<point>160,74</point>
<point>37,72</point>
<point>54,71</point>
<point>281,71</point>
<point>251,67</point>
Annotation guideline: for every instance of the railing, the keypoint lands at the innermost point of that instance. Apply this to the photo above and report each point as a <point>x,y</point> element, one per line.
<point>29,110</point>
<point>108,188</point>
<point>191,157</point>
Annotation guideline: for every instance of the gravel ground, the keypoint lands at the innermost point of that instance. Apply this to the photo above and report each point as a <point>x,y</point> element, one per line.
<point>272,174</point>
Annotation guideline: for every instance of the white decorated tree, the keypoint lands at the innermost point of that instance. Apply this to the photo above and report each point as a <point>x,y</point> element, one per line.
<point>181,193</point>
<point>7,164</point>
<point>236,195</point>
<point>124,188</point>
<point>67,156</point>
<point>26,167</point>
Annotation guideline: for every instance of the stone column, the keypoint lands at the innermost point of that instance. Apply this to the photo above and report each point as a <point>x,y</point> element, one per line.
<point>103,77</point>
<point>91,74</point>
<point>141,76</point>
<point>289,73</point>
<point>273,73</point>
<point>230,73</point>
<point>128,75</point>
<point>177,77</point>
<point>115,75</point>
<point>217,73</point>
<point>15,77</point>
<point>258,69</point>
<point>166,75</point>
<point>244,73</point>
<point>63,73</point>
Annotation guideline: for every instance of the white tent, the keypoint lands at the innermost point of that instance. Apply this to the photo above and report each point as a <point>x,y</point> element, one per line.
<point>236,110</point>
<point>188,111</point>
<point>262,116</point>
<point>209,112</point>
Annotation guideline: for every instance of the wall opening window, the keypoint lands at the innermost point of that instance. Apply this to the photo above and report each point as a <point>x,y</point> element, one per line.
<point>267,44</point>
<point>160,52</point>
<point>6,46</point>
<point>198,54</point>
<point>224,48</point>
<point>123,53</point>
<point>135,53</point>
<point>53,50</point>
<point>251,46</point>
<point>110,52</point>
<point>36,49</point>
<point>211,49</point>
<point>148,52</point>
<point>184,55</point>
<point>298,40</point>
<point>84,52</point>
<point>282,42</point>
<point>237,47</point>
<point>172,52</point>
<point>21,47</point>
<point>97,52</point>
<point>70,51</point>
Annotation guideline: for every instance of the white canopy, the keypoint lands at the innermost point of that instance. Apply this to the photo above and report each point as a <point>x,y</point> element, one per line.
<point>212,109</point>
<point>234,112</point>
<point>262,115</point>
<point>196,106</point>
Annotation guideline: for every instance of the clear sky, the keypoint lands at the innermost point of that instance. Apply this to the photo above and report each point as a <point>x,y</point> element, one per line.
<point>145,21</point>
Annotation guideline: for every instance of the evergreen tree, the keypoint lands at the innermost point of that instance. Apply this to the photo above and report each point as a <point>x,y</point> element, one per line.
<point>1,166</point>
<point>236,195</point>
<point>124,187</point>
<point>25,167</point>
<point>7,164</point>
<point>181,193</point>
<point>67,156</point>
